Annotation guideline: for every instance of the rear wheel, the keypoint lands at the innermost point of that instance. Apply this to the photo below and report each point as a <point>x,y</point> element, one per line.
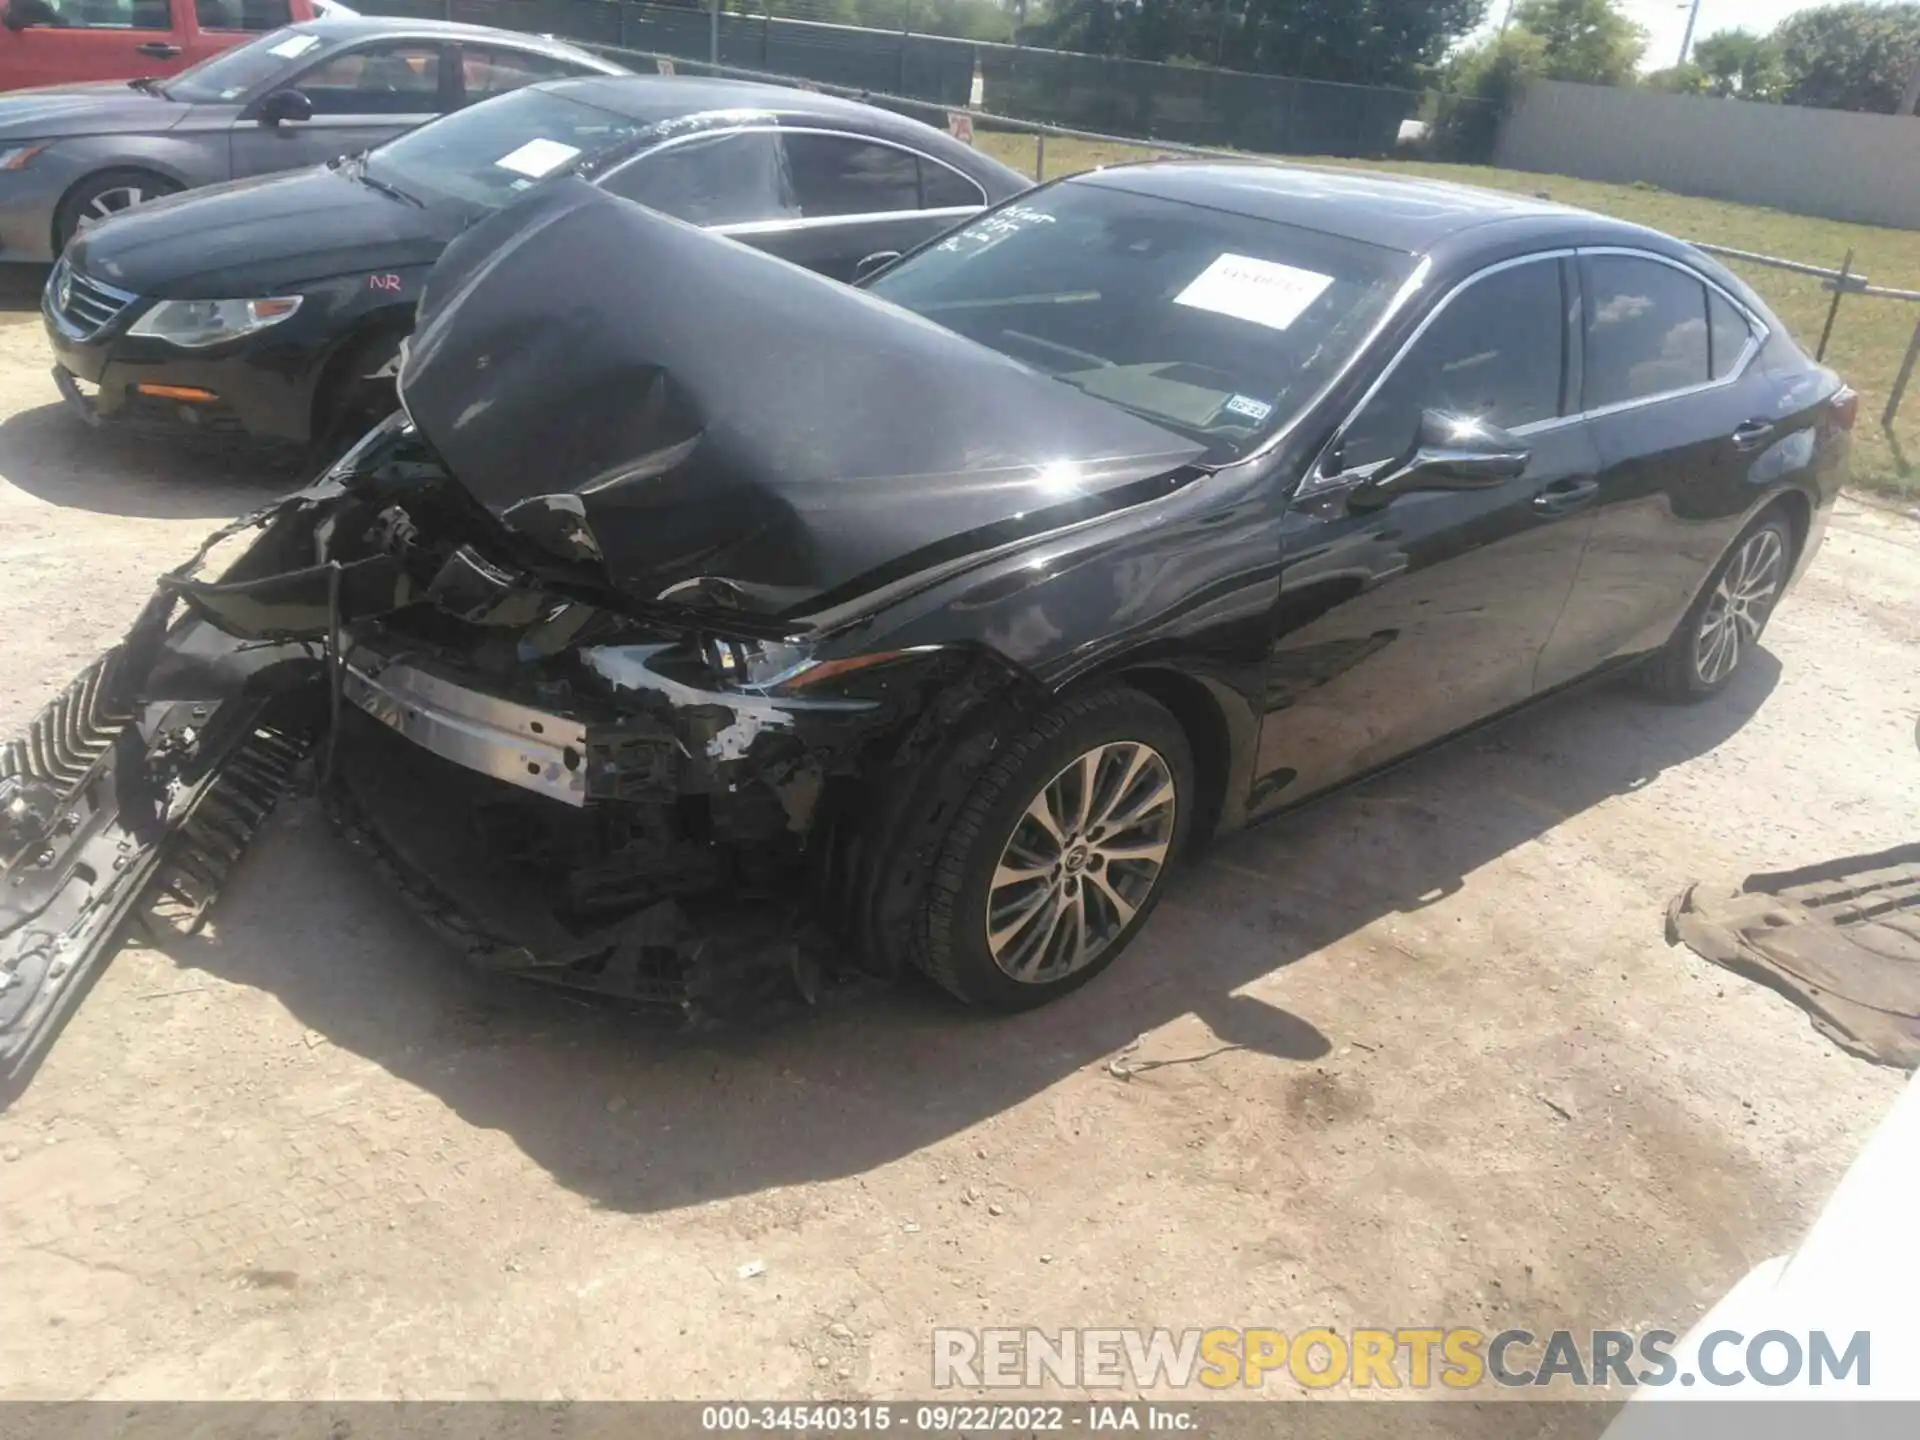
<point>103,196</point>
<point>1725,623</point>
<point>1061,853</point>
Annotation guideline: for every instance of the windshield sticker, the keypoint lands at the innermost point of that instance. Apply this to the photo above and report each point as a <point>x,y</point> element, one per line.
<point>294,46</point>
<point>1259,291</point>
<point>538,157</point>
<point>1247,406</point>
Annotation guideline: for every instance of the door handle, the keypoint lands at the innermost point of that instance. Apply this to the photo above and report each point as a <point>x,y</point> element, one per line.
<point>159,49</point>
<point>1752,435</point>
<point>1563,496</point>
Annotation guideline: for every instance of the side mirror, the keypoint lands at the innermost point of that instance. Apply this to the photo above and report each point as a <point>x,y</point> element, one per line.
<point>283,107</point>
<point>1451,453</point>
<point>874,264</point>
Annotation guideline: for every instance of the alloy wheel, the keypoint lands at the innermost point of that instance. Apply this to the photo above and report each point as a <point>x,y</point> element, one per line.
<point>109,203</point>
<point>1083,857</point>
<point>1739,605</point>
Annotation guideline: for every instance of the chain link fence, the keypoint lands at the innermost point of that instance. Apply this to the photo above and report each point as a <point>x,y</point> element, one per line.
<point>1133,99</point>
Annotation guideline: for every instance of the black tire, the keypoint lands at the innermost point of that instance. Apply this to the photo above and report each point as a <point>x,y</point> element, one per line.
<point>1688,668</point>
<point>954,950</point>
<point>352,396</point>
<point>94,198</point>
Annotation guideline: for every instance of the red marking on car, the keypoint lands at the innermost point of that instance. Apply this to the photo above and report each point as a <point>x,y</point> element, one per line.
<point>383,282</point>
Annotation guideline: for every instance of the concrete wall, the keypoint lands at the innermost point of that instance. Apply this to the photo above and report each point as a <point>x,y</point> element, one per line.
<point>1834,163</point>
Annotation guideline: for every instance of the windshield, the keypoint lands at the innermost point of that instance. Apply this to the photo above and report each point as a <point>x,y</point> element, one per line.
<point>225,77</point>
<point>1216,325</point>
<point>487,154</point>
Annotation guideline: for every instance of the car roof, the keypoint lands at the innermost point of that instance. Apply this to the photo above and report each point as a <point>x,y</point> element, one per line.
<point>666,97</point>
<point>335,29</point>
<point>1400,212</point>
<point>653,99</point>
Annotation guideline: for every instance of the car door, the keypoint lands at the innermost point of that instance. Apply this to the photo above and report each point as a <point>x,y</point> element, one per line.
<point>360,97</point>
<point>1398,624</point>
<point>1679,415</point>
<point>64,41</point>
<point>857,196</point>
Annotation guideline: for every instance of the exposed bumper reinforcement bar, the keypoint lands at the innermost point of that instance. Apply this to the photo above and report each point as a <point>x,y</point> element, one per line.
<point>499,738</point>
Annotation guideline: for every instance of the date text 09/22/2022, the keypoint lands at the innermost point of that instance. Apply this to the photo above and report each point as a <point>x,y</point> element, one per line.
<point>1094,1418</point>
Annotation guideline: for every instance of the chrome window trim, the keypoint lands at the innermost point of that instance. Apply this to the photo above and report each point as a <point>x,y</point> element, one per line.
<point>1315,481</point>
<point>769,127</point>
<point>821,222</point>
<point>1758,333</point>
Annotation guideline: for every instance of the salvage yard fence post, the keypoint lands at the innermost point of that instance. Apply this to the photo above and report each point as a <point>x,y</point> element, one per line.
<point>1901,380</point>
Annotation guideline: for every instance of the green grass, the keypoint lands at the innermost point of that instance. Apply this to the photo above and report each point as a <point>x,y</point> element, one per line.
<point>1869,338</point>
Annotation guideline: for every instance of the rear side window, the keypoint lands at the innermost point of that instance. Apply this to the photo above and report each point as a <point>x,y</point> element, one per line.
<point>487,70</point>
<point>257,16</point>
<point>1494,353</point>
<point>839,175</point>
<point>1646,330</point>
<point>1728,334</point>
<point>715,180</point>
<point>397,78</point>
<point>945,189</point>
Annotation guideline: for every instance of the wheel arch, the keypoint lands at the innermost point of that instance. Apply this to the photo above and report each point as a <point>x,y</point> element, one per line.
<point>390,320</point>
<point>142,165</point>
<point>1220,730</point>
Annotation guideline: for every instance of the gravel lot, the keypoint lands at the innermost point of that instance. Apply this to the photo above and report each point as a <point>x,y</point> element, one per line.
<point>1433,1063</point>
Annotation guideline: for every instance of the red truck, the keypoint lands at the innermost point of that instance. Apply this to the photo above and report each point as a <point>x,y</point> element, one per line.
<point>58,42</point>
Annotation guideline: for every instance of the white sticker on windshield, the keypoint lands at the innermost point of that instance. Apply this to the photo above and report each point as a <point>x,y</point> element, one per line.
<point>294,45</point>
<point>538,157</point>
<point>1259,291</point>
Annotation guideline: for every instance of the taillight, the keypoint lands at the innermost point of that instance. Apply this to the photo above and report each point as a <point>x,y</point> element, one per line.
<point>1844,406</point>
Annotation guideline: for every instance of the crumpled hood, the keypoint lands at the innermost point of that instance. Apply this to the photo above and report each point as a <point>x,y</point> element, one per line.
<point>256,236</point>
<point>104,108</point>
<point>727,424</point>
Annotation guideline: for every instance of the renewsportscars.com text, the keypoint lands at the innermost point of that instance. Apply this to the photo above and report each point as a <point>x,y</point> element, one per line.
<point>1405,1357</point>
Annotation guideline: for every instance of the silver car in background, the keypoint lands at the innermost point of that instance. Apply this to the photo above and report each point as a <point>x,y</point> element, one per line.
<point>73,155</point>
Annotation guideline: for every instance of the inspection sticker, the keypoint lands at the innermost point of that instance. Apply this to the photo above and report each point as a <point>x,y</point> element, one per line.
<point>1259,291</point>
<point>294,45</point>
<point>538,157</point>
<point>1247,406</point>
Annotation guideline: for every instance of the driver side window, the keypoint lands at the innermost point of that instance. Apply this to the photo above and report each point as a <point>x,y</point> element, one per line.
<point>1495,353</point>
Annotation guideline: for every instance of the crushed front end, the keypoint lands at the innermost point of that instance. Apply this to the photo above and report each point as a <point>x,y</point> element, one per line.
<point>658,801</point>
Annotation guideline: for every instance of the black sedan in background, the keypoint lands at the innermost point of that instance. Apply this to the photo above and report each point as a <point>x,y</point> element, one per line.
<point>947,612</point>
<point>277,307</point>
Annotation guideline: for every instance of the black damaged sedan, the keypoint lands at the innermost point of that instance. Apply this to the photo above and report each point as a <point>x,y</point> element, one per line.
<point>676,634</point>
<point>276,306</point>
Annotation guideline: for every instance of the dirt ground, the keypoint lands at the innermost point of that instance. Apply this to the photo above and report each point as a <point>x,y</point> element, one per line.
<point>1431,1062</point>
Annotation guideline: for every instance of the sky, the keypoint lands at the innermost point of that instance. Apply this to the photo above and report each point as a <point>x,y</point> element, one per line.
<point>1666,21</point>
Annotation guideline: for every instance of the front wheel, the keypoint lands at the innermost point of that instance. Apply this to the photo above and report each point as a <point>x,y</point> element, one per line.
<point>1061,852</point>
<point>1725,623</point>
<point>103,196</point>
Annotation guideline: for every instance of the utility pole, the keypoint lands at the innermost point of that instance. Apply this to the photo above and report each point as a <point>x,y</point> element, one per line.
<point>713,33</point>
<point>1506,19</point>
<point>1910,97</point>
<point>1686,40</point>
